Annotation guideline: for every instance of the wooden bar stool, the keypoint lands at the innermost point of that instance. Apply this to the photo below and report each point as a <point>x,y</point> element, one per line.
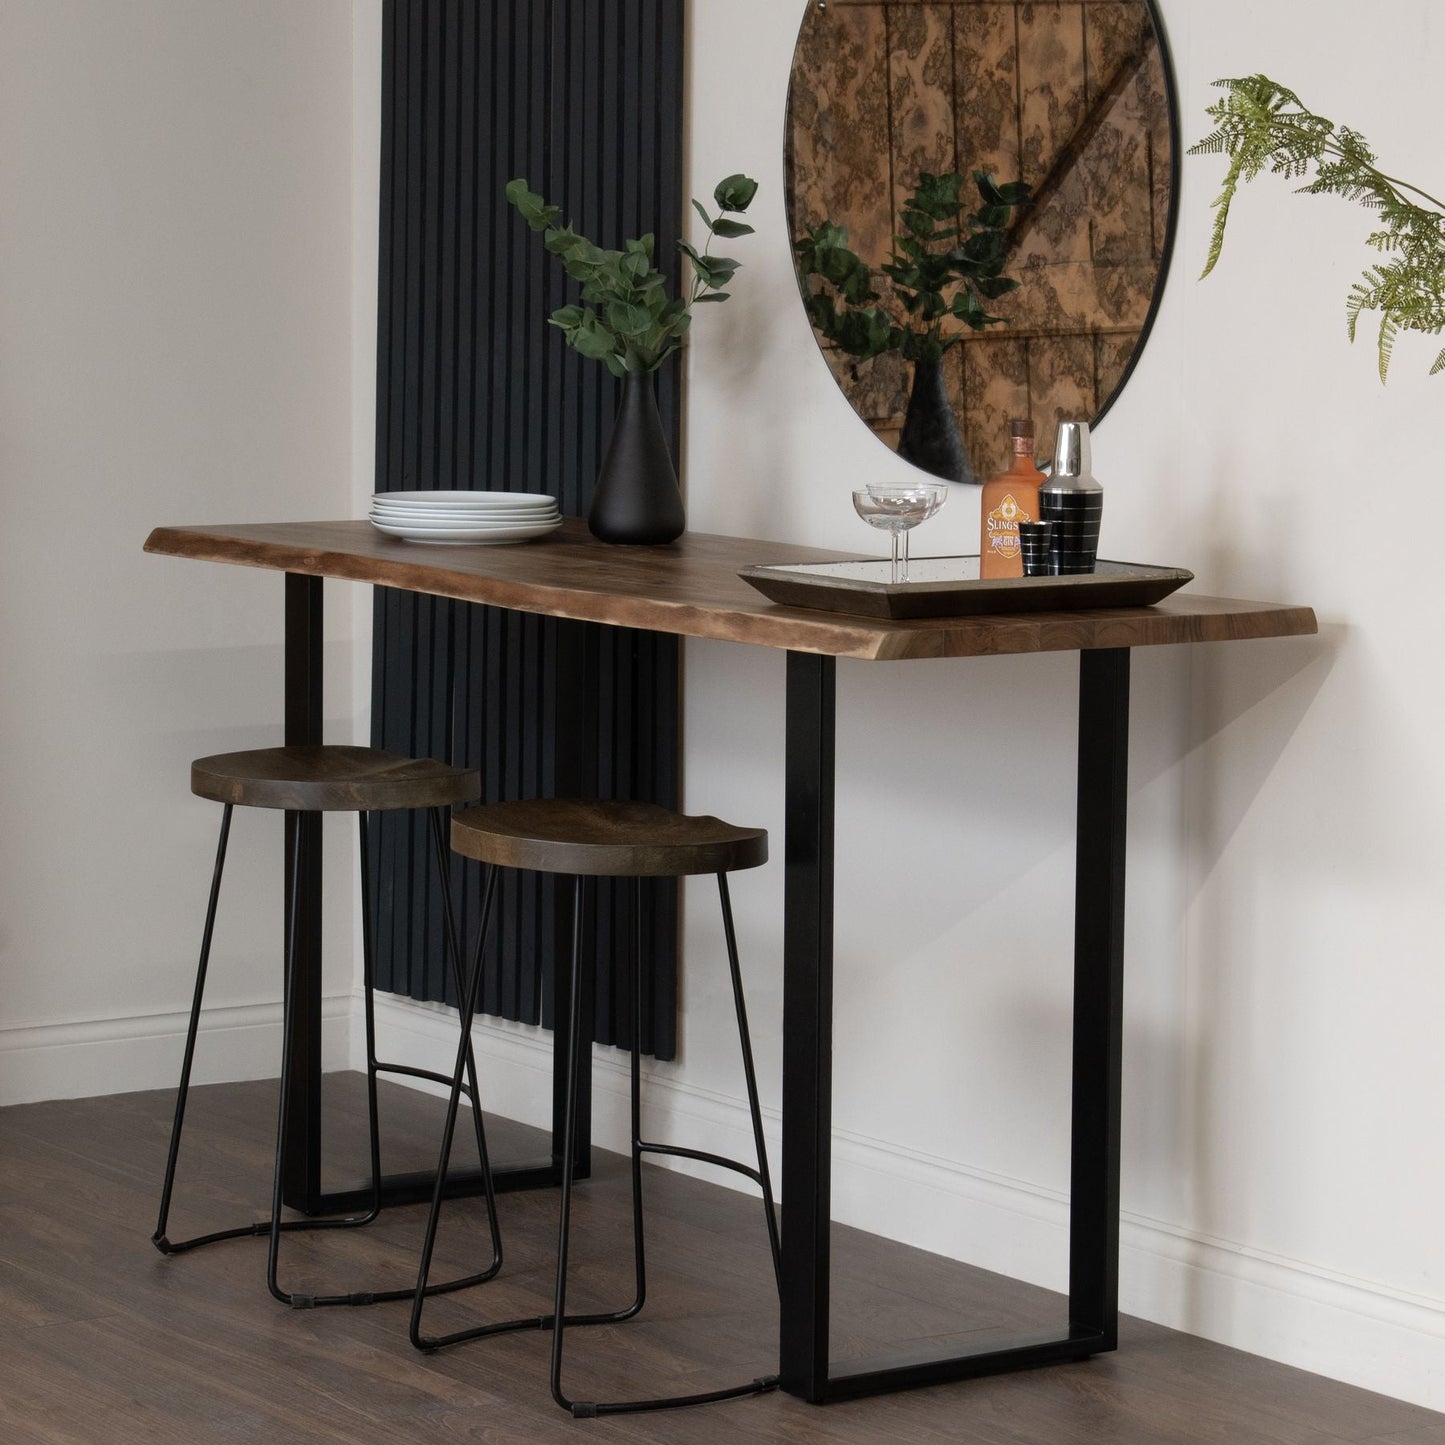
<point>326,779</point>
<point>628,840</point>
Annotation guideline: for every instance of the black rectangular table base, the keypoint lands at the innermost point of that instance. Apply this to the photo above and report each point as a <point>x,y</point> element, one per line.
<point>806,1369</point>
<point>417,1188</point>
<point>301,1165</point>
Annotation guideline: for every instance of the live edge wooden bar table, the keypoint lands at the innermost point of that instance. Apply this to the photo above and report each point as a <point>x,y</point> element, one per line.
<point>691,589</point>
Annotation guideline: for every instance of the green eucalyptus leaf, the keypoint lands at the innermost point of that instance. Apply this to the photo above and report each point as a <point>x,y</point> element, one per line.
<point>731,230</point>
<point>919,223</point>
<point>674,308</point>
<point>992,287</point>
<point>706,219</point>
<point>857,289</point>
<point>633,267</point>
<point>988,190</point>
<point>735,193</point>
<point>935,196</point>
<point>986,248</point>
<point>628,320</point>
<point>534,209</point>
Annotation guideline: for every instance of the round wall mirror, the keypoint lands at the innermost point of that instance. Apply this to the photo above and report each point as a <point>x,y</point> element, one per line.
<point>895,109</point>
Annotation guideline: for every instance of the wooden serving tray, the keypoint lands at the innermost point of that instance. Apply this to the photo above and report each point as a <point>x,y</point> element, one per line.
<point>951,587</point>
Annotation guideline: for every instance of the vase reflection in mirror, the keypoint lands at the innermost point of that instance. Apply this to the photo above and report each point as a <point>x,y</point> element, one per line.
<point>930,438</point>
<point>1073,501</point>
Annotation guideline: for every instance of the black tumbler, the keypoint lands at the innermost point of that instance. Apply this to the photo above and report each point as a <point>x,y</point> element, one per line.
<point>1035,541</point>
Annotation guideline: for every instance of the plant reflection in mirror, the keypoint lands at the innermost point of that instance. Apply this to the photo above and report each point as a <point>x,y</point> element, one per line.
<point>941,250</point>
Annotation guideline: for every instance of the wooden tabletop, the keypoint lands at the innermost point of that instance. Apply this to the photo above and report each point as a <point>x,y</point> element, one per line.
<point>691,588</point>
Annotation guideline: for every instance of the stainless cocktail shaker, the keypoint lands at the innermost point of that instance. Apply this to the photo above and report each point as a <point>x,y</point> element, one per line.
<point>1073,501</point>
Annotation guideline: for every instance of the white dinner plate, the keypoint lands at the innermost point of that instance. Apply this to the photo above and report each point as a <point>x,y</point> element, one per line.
<point>440,516</point>
<point>480,524</point>
<point>469,536</point>
<point>463,500</point>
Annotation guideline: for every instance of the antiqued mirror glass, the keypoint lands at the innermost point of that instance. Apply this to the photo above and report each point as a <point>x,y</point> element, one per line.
<point>1075,99</point>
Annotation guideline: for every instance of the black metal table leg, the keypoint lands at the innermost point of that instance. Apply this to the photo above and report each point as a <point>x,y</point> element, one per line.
<point>1098,992</point>
<point>807,1066</point>
<point>301,1167</point>
<point>807,1023</point>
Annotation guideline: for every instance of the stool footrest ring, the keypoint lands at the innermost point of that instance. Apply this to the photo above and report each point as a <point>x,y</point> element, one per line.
<point>591,1410</point>
<point>677,1151</point>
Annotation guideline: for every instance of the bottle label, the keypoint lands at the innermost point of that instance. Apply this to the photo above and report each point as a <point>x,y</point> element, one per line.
<point>1003,526</point>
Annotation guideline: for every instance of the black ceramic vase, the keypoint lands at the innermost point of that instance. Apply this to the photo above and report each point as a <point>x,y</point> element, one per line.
<point>637,502</point>
<point>930,439</point>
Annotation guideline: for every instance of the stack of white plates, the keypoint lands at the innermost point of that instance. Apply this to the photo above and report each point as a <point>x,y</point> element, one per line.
<point>474,518</point>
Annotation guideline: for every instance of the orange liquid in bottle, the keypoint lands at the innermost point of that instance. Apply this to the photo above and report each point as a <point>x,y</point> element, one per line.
<point>1008,500</point>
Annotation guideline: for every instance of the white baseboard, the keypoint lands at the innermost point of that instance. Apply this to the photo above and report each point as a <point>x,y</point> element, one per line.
<point>1359,1331</point>
<point>86,1057</point>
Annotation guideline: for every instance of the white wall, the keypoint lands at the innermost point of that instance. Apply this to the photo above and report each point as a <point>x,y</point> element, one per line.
<point>1283,1099</point>
<point>176,236</point>
<point>189,245</point>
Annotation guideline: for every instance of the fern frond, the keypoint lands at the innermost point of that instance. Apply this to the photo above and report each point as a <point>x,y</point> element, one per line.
<point>1221,220</point>
<point>1354,304</point>
<point>1261,125</point>
<point>1388,331</point>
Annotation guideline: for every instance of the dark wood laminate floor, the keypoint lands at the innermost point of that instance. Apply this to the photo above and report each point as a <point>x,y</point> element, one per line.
<point>107,1341</point>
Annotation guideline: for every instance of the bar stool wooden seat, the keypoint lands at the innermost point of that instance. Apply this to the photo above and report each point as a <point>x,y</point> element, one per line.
<point>320,779</point>
<point>590,840</point>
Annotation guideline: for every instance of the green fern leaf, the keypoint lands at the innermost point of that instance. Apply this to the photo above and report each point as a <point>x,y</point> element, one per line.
<point>1261,125</point>
<point>1388,331</point>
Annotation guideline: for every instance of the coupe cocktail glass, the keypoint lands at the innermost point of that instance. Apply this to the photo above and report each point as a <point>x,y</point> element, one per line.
<point>897,509</point>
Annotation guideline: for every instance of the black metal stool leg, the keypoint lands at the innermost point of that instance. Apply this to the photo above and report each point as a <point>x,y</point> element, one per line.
<point>273,1225</point>
<point>583,1410</point>
<point>564,1227</point>
<point>635,1085</point>
<point>288,1016</point>
<point>454,956</point>
<point>750,1074</point>
<point>159,1237</point>
<point>368,1009</point>
<point>468,999</point>
<point>466,1008</point>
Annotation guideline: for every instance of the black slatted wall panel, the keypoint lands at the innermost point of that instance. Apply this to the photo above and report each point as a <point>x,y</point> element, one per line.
<point>584,99</point>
